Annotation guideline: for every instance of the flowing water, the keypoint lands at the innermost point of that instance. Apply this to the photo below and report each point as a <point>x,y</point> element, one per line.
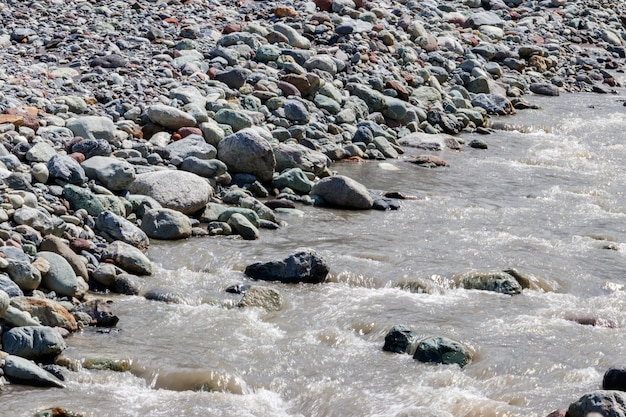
<point>549,202</point>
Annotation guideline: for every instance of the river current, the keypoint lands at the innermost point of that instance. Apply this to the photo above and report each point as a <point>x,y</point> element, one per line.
<point>548,202</point>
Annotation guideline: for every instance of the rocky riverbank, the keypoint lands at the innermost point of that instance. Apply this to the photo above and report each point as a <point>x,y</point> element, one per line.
<point>123,122</point>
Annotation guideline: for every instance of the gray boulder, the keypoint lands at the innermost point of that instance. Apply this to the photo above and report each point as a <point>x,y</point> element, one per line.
<point>293,155</point>
<point>295,179</point>
<point>128,257</point>
<point>40,152</point>
<point>114,227</point>
<point>65,169</point>
<point>170,117</point>
<point>92,127</point>
<point>55,244</point>
<point>192,145</point>
<point>20,270</point>
<point>60,278</point>
<point>398,339</point>
<point>37,219</point>
<point>243,227</point>
<point>114,173</point>
<point>343,192</point>
<point>248,153</point>
<point>8,286</point>
<point>499,282</point>
<point>206,168</point>
<point>33,342</point>
<point>176,190</point>
<point>604,403</point>
<point>166,224</point>
<point>443,350</point>
<point>304,266</point>
<point>23,371</point>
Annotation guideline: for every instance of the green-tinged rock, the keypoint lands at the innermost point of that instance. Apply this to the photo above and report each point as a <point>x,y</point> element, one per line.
<point>236,119</point>
<point>398,339</point>
<point>212,212</point>
<point>112,203</point>
<point>166,224</point>
<point>499,282</point>
<point>82,198</point>
<point>266,298</point>
<point>249,214</point>
<point>243,226</point>
<point>107,364</point>
<point>443,350</point>
<point>295,179</point>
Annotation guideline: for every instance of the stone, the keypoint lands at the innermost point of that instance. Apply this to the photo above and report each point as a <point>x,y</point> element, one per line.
<point>166,224</point>
<point>115,227</point>
<point>33,342</point>
<point>169,117</point>
<point>296,111</point>
<point>303,266</point>
<point>65,169</point>
<point>8,286</point>
<point>93,147</point>
<point>37,219</point>
<point>263,297</point>
<point>176,190</point>
<point>614,379</point>
<point>234,77</point>
<point>192,146</point>
<point>236,119</point>
<point>20,270</point>
<point>343,192</point>
<point>163,295</point>
<point>243,227</point>
<point>100,312</point>
<point>47,312</point>
<point>40,152</point>
<point>483,18</point>
<point>60,278</point>
<point>128,257</point>
<point>18,318</point>
<point>4,302</point>
<point>206,168</point>
<point>106,274</point>
<point>499,282</point>
<point>114,173</point>
<point>443,350</point>
<point>248,152</point>
<point>54,244</point>
<point>602,403</point>
<point>294,179</point>
<point>294,155</point>
<point>544,89</point>
<point>398,339</point>
<point>24,371</point>
<point>109,61</point>
<point>93,127</point>
<point>82,198</point>
<point>294,38</point>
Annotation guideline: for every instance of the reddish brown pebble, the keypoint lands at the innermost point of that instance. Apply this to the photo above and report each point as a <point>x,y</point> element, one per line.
<point>231,28</point>
<point>78,157</point>
<point>325,5</point>
<point>285,11</point>
<point>176,136</point>
<point>79,244</point>
<point>186,131</point>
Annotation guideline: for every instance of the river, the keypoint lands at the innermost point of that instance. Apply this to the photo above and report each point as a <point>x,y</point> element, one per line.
<point>549,202</point>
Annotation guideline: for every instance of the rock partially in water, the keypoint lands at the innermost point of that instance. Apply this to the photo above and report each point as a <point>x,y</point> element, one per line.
<point>26,372</point>
<point>443,350</point>
<point>399,339</point>
<point>33,342</point>
<point>499,282</point>
<point>107,364</point>
<point>614,379</point>
<point>604,403</point>
<point>100,312</point>
<point>163,295</point>
<point>48,312</point>
<point>248,152</point>
<point>343,192</point>
<point>304,266</point>
<point>263,297</point>
<point>57,412</point>
<point>128,257</point>
<point>166,224</point>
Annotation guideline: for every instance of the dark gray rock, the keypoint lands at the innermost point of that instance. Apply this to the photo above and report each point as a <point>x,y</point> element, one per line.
<point>23,371</point>
<point>249,153</point>
<point>65,169</point>
<point>114,173</point>
<point>604,403</point>
<point>443,350</point>
<point>234,78</point>
<point>398,339</point>
<point>109,61</point>
<point>614,379</point>
<point>304,266</point>
<point>192,146</point>
<point>35,342</point>
<point>544,89</point>
<point>129,258</point>
<point>99,311</point>
<point>343,192</point>
<point>166,224</point>
<point>115,227</point>
<point>93,147</point>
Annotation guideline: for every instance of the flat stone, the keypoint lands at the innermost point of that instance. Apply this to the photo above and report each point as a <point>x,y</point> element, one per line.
<point>169,117</point>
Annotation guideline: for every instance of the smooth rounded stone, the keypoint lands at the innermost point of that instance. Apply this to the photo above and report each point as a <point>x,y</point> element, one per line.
<point>106,274</point>
<point>443,350</point>
<point>212,132</point>
<point>478,143</point>
<point>60,278</point>
<point>601,403</point>
<point>54,244</point>
<point>234,77</point>
<point>40,172</point>
<point>20,270</point>
<point>493,104</point>
<point>295,179</point>
<point>343,192</point>
<point>40,152</point>
<point>303,266</point>
<point>326,103</point>
<point>93,127</point>
<point>483,18</point>
<point>9,287</point>
<point>243,227</point>
<point>4,302</point>
<point>544,89</point>
<point>109,61</point>
<point>115,227</point>
<point>385,147</point>
<point>248,213</point>
<point>81,198</point>
<point>169,117</point>
<point>384,204</point>
<point>37,219</point>
<point>237,120</point>
<point>47,312</point>
<point>614,379</point>
<point>23,371</point>
<point>142,203</point>
<point>128,257</point>
<point>324,63</point>
<point>114,173</point>
<point>375,100</point>
<point>17,318</point>
<point>499,282</point>
<point>399,339</point>
<point>210,168</point>
<point>36,342</point>
<point>294,38</point>
<point>192,146</point>
<point>127,284</point>
<point>263,297</point>
<point>212,212</point>
<point>100,312</point>
<point>296,111</point>
<point>166,224</point>
<point>65,169</point>
<point>176,190</point>
<point>248,152</point>
<point>294,155</point>
<point>165,296</point>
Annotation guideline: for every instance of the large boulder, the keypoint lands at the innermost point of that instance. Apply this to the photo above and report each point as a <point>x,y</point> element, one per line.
<point>114,227</point>
<point>114,173</point>
<point>304,266</point>
<point>8,286</point>
<point>294,155</point>
<point>55,244</point>
<point>176,190</point>
<point>499,282</point>
<point>23,371</point>
<point>166,224</point>
<point>48,312</point>
<point>128,257</point>
<point>248,153</point>
<point>33,342</point>
<point>82,198</point>
<point>604,403</point>
<point>343,192</point>
<point>443,350</point>
<point>64,169</point>
<point>614,379</point>
<point>60,278</point>
<point>398,339</point>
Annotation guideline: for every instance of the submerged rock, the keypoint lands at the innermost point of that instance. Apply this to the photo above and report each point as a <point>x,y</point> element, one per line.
<point>399,339</point>
<point>443,350</point>
<point>304,266</point>
<point>343,192</point>
<point>266,298</point>
<point>499,282</point>
<point>604,403</point>
<point>23,371</point>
